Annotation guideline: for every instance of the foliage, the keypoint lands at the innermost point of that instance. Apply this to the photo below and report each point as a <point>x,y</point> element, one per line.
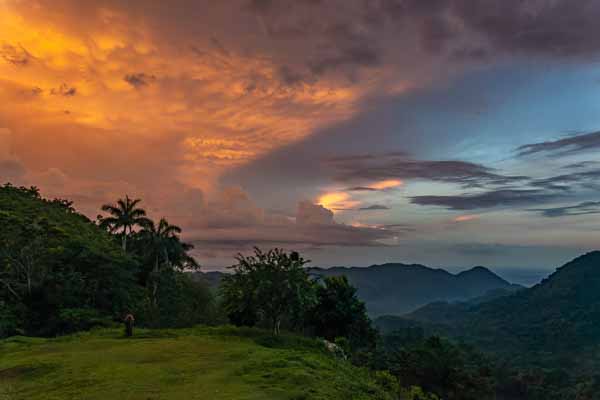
<point>437,366</point>
<point>124,216</point>
<point>339,313</point>
<point>52,259</point>
<point>266,287</point>
<point>60,272</point>
<point>78,319</point>
<point>181,302</point>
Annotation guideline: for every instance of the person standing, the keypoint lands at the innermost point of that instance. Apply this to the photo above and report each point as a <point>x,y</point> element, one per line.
<point>129,320</point>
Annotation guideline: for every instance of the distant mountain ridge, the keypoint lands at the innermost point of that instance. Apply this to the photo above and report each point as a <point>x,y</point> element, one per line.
<point>396,289</point>
<point>557,320</point>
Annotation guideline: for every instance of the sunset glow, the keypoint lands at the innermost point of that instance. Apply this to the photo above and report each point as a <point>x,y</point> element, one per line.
<point>228,117</point>
<point>465,218</point>
<point>337,201</point>
<point>387,184</point>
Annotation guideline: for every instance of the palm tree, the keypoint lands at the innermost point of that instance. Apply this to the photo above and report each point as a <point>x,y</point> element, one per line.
<point>124,216</point>
<point>162,243</point>
<point>160,240</point>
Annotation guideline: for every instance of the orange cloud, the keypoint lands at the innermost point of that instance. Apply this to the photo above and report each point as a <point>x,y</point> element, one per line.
<point>465,218</point>
<point>387,184</point>
<point>223,108</point>
<point>337,201</point>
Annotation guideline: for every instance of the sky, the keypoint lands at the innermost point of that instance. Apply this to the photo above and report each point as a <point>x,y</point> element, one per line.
<point>446,132</point>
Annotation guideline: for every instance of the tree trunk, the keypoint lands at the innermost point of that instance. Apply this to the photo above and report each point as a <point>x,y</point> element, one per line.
<point>155,283</point>
<point>276,326</point>
<point>29,284</point>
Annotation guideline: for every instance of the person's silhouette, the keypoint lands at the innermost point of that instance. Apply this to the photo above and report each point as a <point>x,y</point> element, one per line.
<point>129,320</point>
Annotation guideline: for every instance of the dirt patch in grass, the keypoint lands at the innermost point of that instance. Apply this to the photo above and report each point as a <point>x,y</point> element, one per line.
<point>26,371</point>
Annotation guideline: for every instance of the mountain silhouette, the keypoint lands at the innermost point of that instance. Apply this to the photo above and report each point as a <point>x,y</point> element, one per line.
<point>395,289</point>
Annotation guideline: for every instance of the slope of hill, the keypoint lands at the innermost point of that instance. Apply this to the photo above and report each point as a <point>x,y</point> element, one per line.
<point>395,289</point>
<point>65,265</point>
<point>199,363</point>
<point>557,320</point>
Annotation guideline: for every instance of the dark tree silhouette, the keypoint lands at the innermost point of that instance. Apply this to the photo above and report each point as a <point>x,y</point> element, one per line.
<point>124,216</point>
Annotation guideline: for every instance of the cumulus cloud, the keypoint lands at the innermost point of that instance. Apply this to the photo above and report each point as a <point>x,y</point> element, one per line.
<point>231,221</point>
<point>313,214</point>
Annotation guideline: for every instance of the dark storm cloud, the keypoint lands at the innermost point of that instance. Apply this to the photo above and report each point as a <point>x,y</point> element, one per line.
<point>470,54</point>
<point>559,28</point>
<point>495,198</point>
<point>289,76</point>
<point>139,80</point>
<point>374,207</point>
<point>588,207</point>
<point>260,6</point>
<point>565,146</point>
<point>364,55</point>
<point>372,168</point>
<point>18,56</point>
<point>555,28</point>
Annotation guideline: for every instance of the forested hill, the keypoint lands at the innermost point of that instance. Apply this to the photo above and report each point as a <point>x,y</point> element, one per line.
<point>396,289</point>
<point>558,319</point>
<point>61,272</point>
<point>56,263</point>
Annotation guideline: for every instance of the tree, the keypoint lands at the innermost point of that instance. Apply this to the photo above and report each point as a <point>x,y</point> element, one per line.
<point>22,250</point>
<point>161,244</point>
<point>265,287</point>
<point>124,216</point>
<point>339,313</point>
<point>443,368</point>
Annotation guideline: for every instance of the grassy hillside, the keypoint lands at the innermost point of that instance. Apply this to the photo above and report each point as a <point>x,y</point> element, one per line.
<point>199,363</point>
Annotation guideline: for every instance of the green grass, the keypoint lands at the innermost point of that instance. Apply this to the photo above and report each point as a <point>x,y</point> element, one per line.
<point>198,363</point>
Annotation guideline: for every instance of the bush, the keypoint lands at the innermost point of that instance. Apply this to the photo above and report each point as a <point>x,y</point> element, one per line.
<point>9,322</point>
<point>81,319</point>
